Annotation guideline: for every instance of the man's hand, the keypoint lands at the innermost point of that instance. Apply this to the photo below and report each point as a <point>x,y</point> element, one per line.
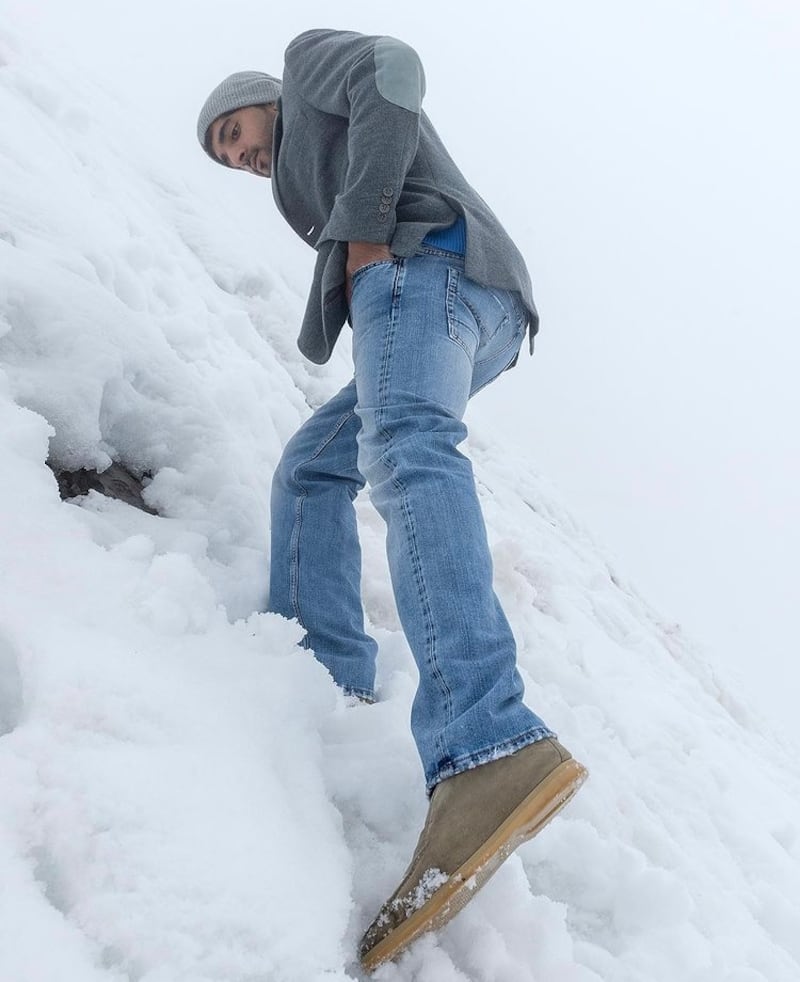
<point>361,254</point>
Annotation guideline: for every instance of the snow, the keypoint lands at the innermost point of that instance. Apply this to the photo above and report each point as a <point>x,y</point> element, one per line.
<point>186,797</point>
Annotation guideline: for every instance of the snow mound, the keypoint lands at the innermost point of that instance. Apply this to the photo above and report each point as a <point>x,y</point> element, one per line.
<point>185,795</point>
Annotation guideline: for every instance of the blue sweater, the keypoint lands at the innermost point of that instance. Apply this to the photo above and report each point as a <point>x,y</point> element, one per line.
<point>453,238</point>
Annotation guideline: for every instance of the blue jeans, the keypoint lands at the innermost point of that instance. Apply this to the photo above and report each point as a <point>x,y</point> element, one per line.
<point>425,338</point>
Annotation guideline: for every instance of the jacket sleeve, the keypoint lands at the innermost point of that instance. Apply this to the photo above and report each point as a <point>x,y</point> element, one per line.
<point>376,84</point>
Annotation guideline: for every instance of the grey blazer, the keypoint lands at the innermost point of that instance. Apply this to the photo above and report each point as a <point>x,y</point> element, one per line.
<point>356,159</point>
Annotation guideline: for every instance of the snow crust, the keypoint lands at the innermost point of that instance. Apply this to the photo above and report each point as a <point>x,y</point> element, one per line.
<point>184,795</point>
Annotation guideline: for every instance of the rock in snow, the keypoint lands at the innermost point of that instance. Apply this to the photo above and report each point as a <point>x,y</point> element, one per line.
<point>116,481</point>
<point>184,796</point>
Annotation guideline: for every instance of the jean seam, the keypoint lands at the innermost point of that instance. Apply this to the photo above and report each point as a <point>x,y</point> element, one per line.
<point>453,280</point>
<point>394,314</point>
<point>422,591</point>
<point>408,518</point>
<point>294,541</point>
<point>294,551</point>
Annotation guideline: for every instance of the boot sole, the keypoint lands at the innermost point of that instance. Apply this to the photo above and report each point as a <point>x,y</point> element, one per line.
<point>527,819</point>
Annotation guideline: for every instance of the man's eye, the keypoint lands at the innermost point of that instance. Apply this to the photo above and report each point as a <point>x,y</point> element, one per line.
<point>235,132</point>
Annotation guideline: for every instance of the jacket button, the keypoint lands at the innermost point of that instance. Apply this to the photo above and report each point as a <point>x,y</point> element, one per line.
<point>383,208</point>
<point>388,191</point>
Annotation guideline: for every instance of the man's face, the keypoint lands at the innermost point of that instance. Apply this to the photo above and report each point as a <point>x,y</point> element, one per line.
<point>243,139</point>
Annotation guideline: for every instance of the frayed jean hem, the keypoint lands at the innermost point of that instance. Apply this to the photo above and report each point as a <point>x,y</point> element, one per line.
<point>361,694</point>
<point>469,761</point>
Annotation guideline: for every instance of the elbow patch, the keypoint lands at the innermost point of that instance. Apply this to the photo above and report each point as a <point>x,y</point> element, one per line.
<point>398,74</point>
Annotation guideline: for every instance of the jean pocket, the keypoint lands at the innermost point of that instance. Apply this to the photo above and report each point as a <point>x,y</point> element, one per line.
<point>476,314</point>
<point>368,266</point>
<point>497,357</point>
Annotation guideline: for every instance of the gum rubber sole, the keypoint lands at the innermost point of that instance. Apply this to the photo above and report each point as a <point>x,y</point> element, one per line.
<point>527,819</point>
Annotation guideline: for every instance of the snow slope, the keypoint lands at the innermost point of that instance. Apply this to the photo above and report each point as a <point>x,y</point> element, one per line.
<point>184,796</point>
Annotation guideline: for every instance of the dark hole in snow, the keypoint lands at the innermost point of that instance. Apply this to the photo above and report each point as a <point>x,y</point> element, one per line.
<point>115,481</point>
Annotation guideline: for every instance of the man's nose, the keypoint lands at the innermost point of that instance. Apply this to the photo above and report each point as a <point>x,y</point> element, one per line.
<point>240,157</point>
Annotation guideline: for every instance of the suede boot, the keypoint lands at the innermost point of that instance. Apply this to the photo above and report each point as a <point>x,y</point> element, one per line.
<point>475,821</point>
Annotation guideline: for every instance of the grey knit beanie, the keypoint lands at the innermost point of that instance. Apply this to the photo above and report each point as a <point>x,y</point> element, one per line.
<point>235,92</point>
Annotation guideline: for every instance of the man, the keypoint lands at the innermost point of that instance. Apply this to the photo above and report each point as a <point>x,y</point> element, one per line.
<point>439,300</point>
